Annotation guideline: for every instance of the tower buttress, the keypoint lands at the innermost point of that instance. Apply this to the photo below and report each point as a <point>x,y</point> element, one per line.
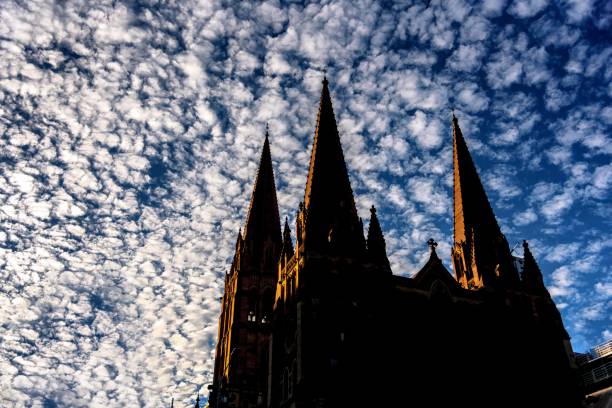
<point>481,255</point>
<point>248,297</point>
<point>286,252</point>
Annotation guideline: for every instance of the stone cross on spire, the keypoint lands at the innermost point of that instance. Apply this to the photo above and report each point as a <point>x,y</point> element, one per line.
<point>432,244</point>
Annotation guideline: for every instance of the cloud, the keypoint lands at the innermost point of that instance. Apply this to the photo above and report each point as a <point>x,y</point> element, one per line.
<point>467,58</point>
<point>527,8</point>
<point>471,98</point>
<point>493,8</point>
<point>578,10</point>
<point>526,217</point>
<point>563,252</point>
<point>425,130</point>
<point>130,136</point>
<point>563,280</point>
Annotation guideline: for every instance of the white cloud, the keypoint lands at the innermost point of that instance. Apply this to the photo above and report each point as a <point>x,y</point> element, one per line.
<point>525,218</point>
<point>471,97</point>
<point>504,71</point>
<point>578,10</point>
<point>466,58</point>
<point>130,139</point>
<point>605,288</point>
<point>563,281</point>
<point>425,130</point>
<point>563,252</point>
<point>557,205</point>
<point>527,8</point>
<point>493,8</point>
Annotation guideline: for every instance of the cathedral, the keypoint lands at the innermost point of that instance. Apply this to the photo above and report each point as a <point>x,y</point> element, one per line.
<point>324,322</point>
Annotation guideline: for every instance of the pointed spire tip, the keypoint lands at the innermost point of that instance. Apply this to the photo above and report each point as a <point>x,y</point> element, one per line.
<point>432,245</point>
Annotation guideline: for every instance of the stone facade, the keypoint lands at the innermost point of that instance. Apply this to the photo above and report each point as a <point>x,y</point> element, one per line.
<point>326,324</point>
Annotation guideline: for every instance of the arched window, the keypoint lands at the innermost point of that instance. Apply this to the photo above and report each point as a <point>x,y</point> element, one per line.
<point>252,316</point>
<point>267,304</point>
<point>439,292</point>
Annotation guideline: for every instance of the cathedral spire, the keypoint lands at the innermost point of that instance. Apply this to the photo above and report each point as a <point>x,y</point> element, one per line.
<point>332,221</point>
<point>377,248</point>
<point>481,254</point>
<point>262,237</point>
<point>532,276</point>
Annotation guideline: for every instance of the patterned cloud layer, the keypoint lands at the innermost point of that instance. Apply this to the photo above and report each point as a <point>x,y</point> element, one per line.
<point>129,139</point>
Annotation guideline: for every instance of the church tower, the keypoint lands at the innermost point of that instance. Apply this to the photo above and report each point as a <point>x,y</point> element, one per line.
<point>240,377</point>
<point>323,322</point>
<point>481,254</point>
<point>324,288</point>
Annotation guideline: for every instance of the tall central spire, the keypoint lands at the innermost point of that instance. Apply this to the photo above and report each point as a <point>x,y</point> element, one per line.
<point>481,254</point>
<point>472,207</point>
<point>262,234</point>
<point>332,218</point>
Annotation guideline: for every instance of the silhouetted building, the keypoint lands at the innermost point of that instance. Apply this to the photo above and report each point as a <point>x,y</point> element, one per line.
<point>327,324</point>
<point>595,367</point>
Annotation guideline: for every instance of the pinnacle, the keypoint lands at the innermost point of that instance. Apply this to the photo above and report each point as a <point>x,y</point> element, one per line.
<point>376,242</point>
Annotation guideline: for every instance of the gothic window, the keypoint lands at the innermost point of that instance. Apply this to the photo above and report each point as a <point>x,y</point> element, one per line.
<point>252,316</point>
<point>439,291</point>
<point>267,303</point>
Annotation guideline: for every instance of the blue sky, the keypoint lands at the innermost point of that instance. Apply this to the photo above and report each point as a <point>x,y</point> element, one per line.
<point>129,140</point>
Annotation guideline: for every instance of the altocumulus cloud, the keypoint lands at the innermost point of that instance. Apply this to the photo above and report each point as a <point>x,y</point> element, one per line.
<point>130,133</point>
